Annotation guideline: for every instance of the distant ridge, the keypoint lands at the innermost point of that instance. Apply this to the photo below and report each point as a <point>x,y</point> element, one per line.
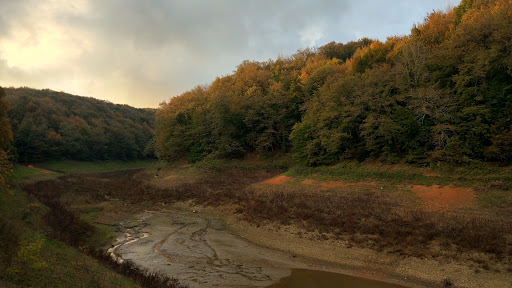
<point>50,125</point>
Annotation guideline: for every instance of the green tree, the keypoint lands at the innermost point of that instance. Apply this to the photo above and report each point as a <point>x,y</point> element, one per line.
<point>5,127</point>
<point>51,125</point>
<point>5,140</point>
<point>442,93</point>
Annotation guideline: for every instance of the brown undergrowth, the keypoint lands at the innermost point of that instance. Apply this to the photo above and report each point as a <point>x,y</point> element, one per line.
<point>368,220</point>
<point>9,240</point>
<point>141,276</point>
<point>365,219</point>
<point>66,226</point>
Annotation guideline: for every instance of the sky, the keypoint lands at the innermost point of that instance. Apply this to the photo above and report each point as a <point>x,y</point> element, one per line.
<point>143,52</point>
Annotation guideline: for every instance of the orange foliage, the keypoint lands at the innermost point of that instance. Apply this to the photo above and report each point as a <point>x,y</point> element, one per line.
<point>436,28</point>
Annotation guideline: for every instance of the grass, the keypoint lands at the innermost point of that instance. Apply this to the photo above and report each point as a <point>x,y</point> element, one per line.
<point>468,176</point>
<point>356,172</point>
<point>29,258</point>
<point>22,172</point>
<point>70,166</point>
<point>62,264</point>
<point>103,233</point>
<point>41,241</point>
<point>251,162</point>
<point>54,169</point>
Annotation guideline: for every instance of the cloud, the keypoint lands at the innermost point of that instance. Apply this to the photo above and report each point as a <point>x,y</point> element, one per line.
<point>310,36</point>
<point>144,52</point>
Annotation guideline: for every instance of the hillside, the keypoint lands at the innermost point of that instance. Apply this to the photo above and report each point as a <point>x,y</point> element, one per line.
<point>50,125</point>
<point>382,160</point>
<point>441,94</point>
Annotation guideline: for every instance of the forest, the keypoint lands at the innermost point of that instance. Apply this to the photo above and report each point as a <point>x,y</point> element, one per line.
<point>5,139</point>
<point>50,125</point>
<point>443,93</point>
<point>440,97</point>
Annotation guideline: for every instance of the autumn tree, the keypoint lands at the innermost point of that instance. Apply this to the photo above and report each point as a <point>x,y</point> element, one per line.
<point>50,125</point>
<point>5,139</point>
<point>442,93</point>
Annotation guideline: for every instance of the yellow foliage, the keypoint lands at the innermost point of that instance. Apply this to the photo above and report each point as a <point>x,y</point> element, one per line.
<point>29,254</point>
<point>5,169</point>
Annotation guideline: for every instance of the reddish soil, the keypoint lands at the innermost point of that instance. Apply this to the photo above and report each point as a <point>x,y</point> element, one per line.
<point>438,198</point>
<point>308,182</point>
<point>279,180</point>
<point>45,171</point>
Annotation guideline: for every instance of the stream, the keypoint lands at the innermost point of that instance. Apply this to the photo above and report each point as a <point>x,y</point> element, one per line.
<point>200,251</point>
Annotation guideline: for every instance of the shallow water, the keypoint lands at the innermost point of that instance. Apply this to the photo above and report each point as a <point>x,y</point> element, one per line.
<point>200,251</point>
<point>301,278</point>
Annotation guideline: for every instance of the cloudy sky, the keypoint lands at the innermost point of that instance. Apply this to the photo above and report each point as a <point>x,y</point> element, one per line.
<point>143,52</point>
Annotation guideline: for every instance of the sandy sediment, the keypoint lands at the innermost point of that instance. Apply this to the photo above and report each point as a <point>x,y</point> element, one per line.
<point>200,251</point>
<point>207,250</point>
<point>367,263</point>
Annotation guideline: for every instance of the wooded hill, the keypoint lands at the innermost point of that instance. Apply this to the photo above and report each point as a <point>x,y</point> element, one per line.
<point>442,93</point>
<point>5,139</point>
<point>50,125</point>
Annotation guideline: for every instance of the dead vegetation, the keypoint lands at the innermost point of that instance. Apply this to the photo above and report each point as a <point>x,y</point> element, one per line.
<point>364,219</point>
<point>9,240</point>
<point>369,220</point>
<point>141,276</point>
<point>66,226</point>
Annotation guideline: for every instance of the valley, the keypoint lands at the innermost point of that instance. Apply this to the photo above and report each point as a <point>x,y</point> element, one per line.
<point>193,222</point>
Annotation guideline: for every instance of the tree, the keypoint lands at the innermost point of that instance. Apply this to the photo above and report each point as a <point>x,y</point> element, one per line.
<point>442,93</point>
<point>5,140</point>
<point>50,125</point>
<point>5,127</point>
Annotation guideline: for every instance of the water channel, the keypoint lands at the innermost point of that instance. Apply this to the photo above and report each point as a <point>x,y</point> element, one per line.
<point>200,251</point>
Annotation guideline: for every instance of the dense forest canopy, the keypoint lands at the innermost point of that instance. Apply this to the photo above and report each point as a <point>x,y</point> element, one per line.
<point>50,125</point>
<point>5,139</point>
<point>442,93</point>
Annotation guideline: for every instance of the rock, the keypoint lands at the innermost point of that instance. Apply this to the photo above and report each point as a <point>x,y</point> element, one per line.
<point>447,283</point>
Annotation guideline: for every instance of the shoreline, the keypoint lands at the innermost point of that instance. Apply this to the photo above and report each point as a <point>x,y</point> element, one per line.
<point>334,256</point>
<point>202,248</point>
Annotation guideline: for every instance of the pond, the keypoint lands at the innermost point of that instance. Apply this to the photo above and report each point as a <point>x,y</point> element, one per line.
<point>200,251</point>
<point>301,278</point>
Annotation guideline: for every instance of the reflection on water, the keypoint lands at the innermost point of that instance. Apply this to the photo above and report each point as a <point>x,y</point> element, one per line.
<point>319,279</point>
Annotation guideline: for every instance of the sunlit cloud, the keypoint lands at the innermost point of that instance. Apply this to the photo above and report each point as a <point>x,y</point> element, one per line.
<point>310,36</point>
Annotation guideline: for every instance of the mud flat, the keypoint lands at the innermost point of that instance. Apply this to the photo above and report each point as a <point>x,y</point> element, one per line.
<point>200,251</point>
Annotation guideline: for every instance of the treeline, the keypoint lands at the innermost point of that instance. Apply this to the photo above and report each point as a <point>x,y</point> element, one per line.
<point>50,125</point>
<point>5,139</point>
<point>442,93</point>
